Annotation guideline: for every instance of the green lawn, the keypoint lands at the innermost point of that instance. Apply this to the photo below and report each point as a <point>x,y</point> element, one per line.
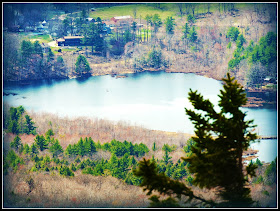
<point>142,10</point>
<point>166,9</point>
<point>42,38</point>
<point>29,36</point>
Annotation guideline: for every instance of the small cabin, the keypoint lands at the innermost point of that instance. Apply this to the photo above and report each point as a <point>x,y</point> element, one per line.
<point>70,41</point>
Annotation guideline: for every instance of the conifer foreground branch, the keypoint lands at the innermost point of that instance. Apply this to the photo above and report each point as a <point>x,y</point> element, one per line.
<point>216,159</point>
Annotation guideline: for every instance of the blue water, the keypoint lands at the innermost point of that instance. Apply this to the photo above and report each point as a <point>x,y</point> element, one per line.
<point>155,100</point>
<point>267,149</point>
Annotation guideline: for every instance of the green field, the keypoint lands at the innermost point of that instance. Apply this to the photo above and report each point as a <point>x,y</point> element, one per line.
<point>142,10</point>
<point>45,38</point>
<point>165,10</point>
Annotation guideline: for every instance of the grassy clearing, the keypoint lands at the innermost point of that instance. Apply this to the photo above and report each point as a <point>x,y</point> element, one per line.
<point>142,10</point>
<point>45,38</point>
<point>165,10</point>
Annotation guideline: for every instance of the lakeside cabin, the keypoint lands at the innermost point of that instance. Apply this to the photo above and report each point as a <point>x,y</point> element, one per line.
<point>70,41</point>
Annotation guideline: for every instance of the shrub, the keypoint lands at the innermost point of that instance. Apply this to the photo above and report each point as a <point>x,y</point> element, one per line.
<point>65,171</point>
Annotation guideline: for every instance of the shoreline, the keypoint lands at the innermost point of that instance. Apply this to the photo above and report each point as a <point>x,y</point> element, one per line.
<point>252,102</point>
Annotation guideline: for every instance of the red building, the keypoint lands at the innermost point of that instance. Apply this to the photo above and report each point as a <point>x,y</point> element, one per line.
<point>122,20</point>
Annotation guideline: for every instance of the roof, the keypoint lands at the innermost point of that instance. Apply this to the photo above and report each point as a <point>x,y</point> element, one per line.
<point>89,19</point>
<point>122,17</point>
<point>267,78</point>
<point>73,37</point>
<point>60,40</point>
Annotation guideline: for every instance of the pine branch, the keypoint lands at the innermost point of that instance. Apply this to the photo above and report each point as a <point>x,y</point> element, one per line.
<point>152,180</point>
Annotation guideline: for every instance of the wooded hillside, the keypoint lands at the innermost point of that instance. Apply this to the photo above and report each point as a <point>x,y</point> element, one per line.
<point>205,38</point>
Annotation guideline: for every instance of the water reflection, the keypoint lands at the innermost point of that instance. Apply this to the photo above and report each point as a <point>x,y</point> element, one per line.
<point>83,79</point>
<point>155,100</point>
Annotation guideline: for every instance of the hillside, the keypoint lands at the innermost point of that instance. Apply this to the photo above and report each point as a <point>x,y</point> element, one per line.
<point>208,55</point>
<point>50,189</point>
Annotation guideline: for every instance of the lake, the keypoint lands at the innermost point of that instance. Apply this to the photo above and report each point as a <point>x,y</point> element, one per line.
<point>154,100</point>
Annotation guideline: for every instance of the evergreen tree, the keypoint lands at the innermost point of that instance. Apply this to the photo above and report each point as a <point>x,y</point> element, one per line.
<point>166,158</point>
<point>26,149</point>
<point>166,148</point>
<point>20,110</point>
<point>16,143</point>
<point>154,148</point>
<point>186,31</point>
<point>26,49</point>
<point>69,150</point>
<point>13,127</point>
<point>133,27</point>
<point>29,126</point>
<point>155,58</point>
<point>50,55</point>
<point>14,114</point>
<point>93,35</point>
<point>240,41</point>
<point>258,162</point>
<point>156,22</point>
<point>81,147</point>
<point>56,148</point>
<point>169,25</point>
<point>82,65</point>
<point>192,36</point>
<point>191,19</point>
<point>233,33</point>
<point>34,149</point>
<point>37,48</point>
<point>66,26</point>
<point>41,142</point>
<point>65,171</point>
<point>221,158</point>
<point>49,133</point>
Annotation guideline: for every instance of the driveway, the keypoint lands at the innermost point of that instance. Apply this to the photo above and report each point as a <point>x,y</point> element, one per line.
<point>53,44</point>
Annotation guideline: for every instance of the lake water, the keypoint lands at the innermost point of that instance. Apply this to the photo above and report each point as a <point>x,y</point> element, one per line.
<point>155,100</point>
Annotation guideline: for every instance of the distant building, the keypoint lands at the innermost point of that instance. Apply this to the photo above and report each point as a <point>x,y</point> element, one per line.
<point>122,20</point>
<point>269,79</point>
<point>70,41</point>
<point>90,20</point>
<point>42,27</point>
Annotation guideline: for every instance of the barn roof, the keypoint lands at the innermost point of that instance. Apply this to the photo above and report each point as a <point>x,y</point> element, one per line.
<point>73,37</point>
<point>60,40</point>
<point>122,17</point>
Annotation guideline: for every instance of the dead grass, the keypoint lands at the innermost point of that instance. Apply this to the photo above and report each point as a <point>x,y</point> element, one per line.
<point>52,190</point>
<point>80,191</point>
<point>70,130</point>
